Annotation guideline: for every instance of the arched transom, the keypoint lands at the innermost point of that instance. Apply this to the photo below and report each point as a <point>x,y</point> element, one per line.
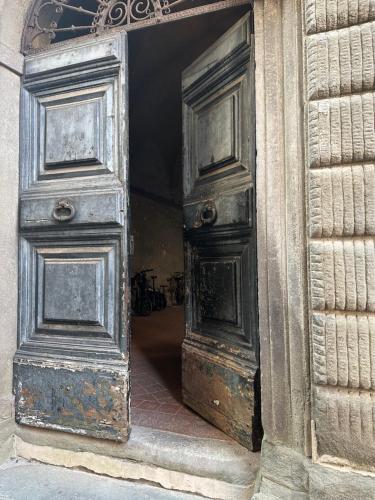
<point>56,20</point>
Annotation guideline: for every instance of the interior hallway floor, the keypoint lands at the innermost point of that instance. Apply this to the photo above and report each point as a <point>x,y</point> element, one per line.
<point>156,399</point>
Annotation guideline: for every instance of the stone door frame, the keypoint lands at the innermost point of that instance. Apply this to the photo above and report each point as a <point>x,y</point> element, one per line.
<point>282,272</point>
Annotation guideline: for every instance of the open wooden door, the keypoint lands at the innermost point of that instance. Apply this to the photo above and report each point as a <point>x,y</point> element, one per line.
<point>220,351</point>
<point>71,367</point>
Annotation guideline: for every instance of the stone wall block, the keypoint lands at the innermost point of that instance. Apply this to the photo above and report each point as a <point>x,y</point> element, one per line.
<point>342,201</point>
<point>325,15</point>
<point>341,130</point>
<point>345,424</point>
<point>340,62</point>
<point>343,347</point>
<point>342,275</point>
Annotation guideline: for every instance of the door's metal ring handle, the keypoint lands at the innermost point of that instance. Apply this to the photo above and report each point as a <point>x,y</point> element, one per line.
<point>63,211</point>
<point>206,216</point>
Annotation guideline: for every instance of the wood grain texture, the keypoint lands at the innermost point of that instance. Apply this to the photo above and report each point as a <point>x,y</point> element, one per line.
<point>73,397</point>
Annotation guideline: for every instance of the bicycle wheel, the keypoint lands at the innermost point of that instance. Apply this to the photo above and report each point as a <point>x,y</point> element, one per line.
<point>146,306</point>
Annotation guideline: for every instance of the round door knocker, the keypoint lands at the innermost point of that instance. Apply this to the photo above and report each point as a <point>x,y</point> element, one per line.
<point>208,213</point>
<point>206,216</point>
<point>64,211</point>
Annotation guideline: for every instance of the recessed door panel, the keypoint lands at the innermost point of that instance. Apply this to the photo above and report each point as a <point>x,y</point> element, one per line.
<point>217,276</point>
<point>74,133</point>
<point>217,134</point>
<point>71,129</point>
<point>216,139</point>
<point>224,286</point>
<point>73,291</point>
<point>71,288</point>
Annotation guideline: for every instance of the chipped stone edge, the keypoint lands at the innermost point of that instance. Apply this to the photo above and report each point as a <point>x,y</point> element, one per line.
<point>131,470</point>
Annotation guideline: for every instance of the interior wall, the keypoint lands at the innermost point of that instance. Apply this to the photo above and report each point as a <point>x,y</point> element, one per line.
<point>158,240</point>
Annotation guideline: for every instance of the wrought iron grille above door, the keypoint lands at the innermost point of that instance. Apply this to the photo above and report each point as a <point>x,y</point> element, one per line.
<point>56,20</point>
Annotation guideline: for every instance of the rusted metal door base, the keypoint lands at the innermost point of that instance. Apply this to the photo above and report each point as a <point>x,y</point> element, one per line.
<point>224,393</point>
<point>87,399</point>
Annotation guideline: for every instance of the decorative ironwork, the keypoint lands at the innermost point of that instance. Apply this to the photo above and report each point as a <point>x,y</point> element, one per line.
<point>50,20</point>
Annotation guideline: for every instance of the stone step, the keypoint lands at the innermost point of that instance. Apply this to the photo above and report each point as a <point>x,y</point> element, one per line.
<point>212,468</point>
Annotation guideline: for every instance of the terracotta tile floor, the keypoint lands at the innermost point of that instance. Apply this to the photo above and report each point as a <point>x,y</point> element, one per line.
<point>156,376</point>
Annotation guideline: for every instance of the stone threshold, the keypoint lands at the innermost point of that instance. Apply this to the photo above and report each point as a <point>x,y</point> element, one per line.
<point>212,468</point>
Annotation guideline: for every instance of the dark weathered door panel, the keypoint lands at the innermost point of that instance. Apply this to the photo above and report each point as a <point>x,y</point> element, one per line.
<point>71,366</point>
<point>220,351</point>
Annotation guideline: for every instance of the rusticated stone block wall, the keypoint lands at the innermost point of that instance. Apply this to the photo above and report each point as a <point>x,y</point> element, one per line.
<point>340,155</point>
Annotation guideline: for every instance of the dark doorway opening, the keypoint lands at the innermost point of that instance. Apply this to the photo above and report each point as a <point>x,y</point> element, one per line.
<point>157,57</point>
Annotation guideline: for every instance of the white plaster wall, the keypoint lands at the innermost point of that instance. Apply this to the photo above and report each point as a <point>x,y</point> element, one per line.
<point>11,23</point>
<point>9,89</point>
<point>12,16</point>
